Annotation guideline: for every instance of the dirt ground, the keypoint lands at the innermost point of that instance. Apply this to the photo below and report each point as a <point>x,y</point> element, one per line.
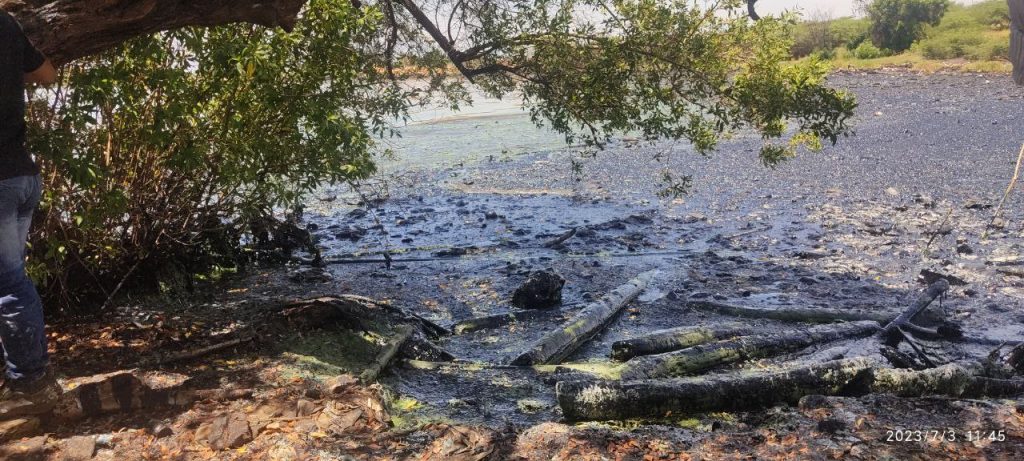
<point>850,228</point>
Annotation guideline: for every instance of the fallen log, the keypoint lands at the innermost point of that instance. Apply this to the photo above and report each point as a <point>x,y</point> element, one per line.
<point>500,320</point>
<point>404,332</point>
<point>706,356</point>
<point>557,345</point>
<point>958,379</point>
<point>933,291</point>
<point>789,314</point>
<point>675,339</point>
<point>606,400</point>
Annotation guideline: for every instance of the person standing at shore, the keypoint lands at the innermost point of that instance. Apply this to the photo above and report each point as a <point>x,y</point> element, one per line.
<point>29,386</point>
<point>1017,39</point>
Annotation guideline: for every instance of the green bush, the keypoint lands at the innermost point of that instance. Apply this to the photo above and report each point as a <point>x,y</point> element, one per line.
<point>976,32</point>
<point>162,154</point>
<point>866,50</point>
<point>897,24</point>
<point>812,37</point>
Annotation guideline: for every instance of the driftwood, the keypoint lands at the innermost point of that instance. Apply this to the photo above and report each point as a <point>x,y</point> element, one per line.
<point>557,345</point>
<point>196,353</point>
<point>789,314</point>
<point>500,320</point>
<point>704,357</point>
<point>384,358</point>
<point>936,289</point>
<point>604,400</point>
<point>560,239</point>
<point>675,339</point>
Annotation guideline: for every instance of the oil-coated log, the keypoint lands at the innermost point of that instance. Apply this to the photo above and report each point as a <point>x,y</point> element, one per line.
<point>703,357</point>
<point>560,343</point>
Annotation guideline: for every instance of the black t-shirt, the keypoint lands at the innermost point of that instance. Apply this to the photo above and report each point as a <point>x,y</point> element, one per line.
<point>17,57</point>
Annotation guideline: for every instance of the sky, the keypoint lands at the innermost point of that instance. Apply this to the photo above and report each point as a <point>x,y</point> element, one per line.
<point>835,8</point>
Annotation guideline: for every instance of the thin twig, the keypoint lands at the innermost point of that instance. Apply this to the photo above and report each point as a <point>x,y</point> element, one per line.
<point>938,230</point>
<point>1009,188</point>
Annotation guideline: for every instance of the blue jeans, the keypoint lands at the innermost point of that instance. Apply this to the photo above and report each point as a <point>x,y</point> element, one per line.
<point>22,331</point>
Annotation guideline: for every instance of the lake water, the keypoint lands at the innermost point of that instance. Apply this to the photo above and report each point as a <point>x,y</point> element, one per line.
<point>439,137</point>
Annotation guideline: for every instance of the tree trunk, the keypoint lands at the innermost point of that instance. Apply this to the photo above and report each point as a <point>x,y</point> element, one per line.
<point>605,400</point>
<point>794,314</point>
<point>675,339</point>
<point>703,357</point>
<point>557,345</point>
<point>69,29</point>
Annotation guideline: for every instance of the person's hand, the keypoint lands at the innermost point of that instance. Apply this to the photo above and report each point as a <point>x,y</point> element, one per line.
<point>46,74</point>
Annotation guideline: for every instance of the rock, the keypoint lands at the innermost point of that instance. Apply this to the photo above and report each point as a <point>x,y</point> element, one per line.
<point>892,192</point>
<point>162,430</point>
<point>925,200</point>
<point>964,249</point>
<point>17,428</point>
<point>305,407</point>
<point>310,275</point>
<point>814,402</point>
<point>229,430</point>
<point>531,406</point>
<point>78,448</point>
<point>105,440</point>
<point>353,233</point>
<point>451,252</point>
<point>339,384</point>
<point>357,213</point>
<point>694,217</point>
<point>929,277</point>
<point>975,204</point>
<point>543,290</point>
<point>32,449</point>
<point>831,425</point>
<point>491,215</point>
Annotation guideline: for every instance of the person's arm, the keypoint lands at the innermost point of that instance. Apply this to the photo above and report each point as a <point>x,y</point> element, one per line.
<point>37,68</point>
<point>45,74</point>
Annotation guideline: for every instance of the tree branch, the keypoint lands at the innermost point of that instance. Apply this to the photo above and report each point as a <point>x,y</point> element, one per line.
<point>69,29</point>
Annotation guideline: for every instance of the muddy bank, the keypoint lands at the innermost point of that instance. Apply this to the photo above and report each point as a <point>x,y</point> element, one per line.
<point>849,229</point>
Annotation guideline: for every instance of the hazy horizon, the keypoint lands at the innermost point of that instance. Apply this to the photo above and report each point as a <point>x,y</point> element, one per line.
<point>834,8</point>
